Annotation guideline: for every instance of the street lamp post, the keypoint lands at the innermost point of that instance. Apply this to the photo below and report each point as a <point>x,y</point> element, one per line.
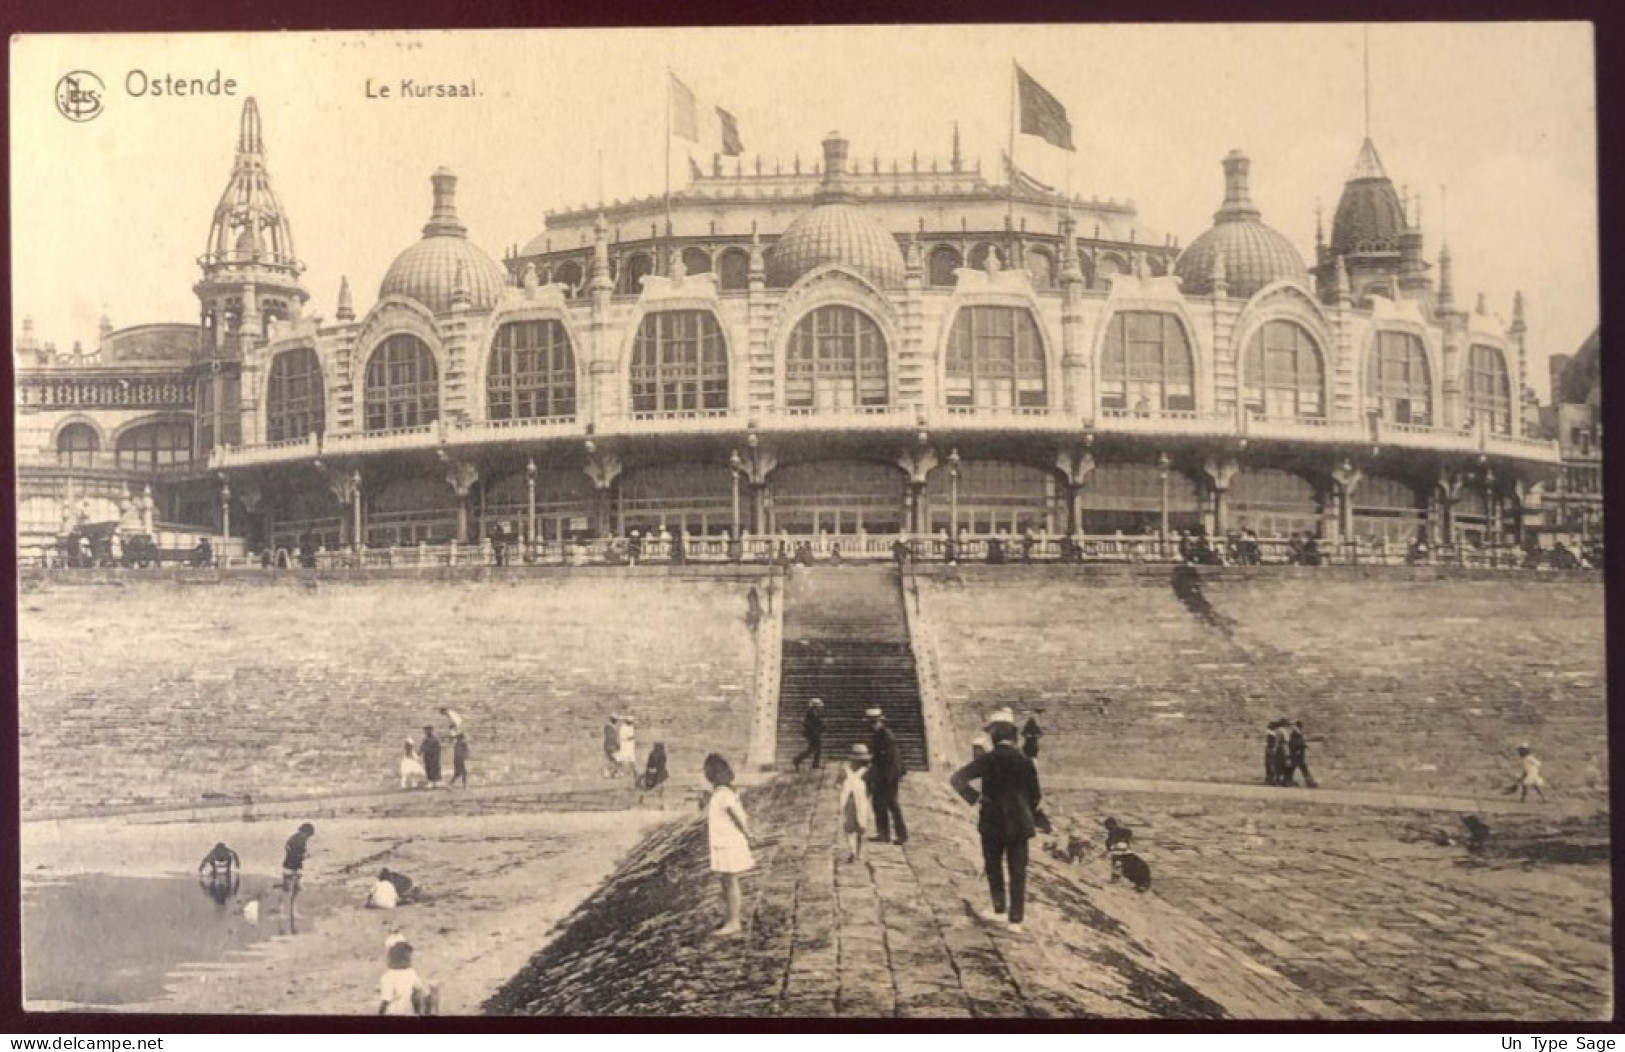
<point>530,506</point>
<point>735,465</point>
<point>751,442</point>
<point>225,506</point>
<point>953,497</point>
<point>1162,474</point>
<point>355,502</point>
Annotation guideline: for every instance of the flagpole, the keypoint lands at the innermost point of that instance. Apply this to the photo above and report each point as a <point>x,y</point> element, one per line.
<point>669,78</point>
<point>1010,176</point>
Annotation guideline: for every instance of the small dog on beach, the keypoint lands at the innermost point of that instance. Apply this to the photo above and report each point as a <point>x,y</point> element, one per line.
<point>1126,865</point>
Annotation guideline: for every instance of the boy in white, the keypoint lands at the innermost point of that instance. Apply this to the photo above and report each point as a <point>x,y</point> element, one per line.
<point>1529,778</point>
<point>401,991</point>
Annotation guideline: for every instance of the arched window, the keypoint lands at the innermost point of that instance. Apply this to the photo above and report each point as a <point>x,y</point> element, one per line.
<point>1489,393</point>
<point>532,372</point>
<point>995,358</point>
<point>1283,372</point>
<point>836,358</point>
<point>1397,384</point>
<point>1041,268</point>
<point>637,266</point>
<point>679,363</point>
<point>76,445</point>
<point>403,385</point>
<point>294,405</point>
<point>696,261</point>
<point>733,270</point>
<point>944,261</point>
<point>155,445</point>
<point>1147,363</point>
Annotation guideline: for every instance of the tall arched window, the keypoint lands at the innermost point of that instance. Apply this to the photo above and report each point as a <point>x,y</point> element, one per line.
<point>532,372</point>
<point>1283,372</point>
<point>995,358</point>
<point>944,261</point>
<point>1489,392</point>
<point>77,444</point>
<point>637,266</point>
<point>1147,363</point>
<point>836,358</point>
<point>1040,267</point>
<point>733,270</point>
<point>1397,384</point>
<point>155,445</point>
<point>679,363</point>
<point>403,385</point>
<point>294,401</point>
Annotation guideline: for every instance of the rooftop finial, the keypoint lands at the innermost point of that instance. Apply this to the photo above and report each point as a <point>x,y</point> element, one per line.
<point>248,136</point>
<point>956,156</point>
<point>444,222</point>
<point>833,187</point>
<point>1367,81</point>
<point>1238,204</point>
<point>346,311</point>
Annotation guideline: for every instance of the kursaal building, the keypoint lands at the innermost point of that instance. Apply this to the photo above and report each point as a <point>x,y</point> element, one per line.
<point>850,352</point>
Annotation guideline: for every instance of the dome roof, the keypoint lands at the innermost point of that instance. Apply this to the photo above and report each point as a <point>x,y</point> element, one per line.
<point>836,230</point>
<point>431,270</point>
<point>1253,254</point>
<point>1369,216</point>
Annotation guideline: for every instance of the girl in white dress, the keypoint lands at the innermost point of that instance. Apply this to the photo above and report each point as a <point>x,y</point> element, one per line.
<point>857,810</point>
<point>412,774</point>
<point>730,840</point>
<point>627,752</point>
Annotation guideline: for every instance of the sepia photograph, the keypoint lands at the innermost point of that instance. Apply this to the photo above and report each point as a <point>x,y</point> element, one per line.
<point>980,522</point>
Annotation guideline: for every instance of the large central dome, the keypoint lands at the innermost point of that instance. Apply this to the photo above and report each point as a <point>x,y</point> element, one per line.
<point>431,270</point>
<point>1254,254</point>
<point>836,230</point>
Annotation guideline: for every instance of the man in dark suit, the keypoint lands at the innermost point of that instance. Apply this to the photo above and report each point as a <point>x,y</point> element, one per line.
<point>885,775</point>
<point>812,732</point>
<point>1009,797</point>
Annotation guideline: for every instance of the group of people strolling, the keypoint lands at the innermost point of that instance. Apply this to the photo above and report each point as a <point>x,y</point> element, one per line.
<point>421,765</point>
<point>1286,753</point>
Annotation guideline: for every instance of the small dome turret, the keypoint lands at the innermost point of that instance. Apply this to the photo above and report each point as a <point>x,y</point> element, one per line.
<point>836,230</point>
<point>1240,245</point>
<point>429,271</point>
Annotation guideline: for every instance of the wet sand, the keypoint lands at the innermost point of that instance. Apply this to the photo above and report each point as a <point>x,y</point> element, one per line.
<point>496,884</point>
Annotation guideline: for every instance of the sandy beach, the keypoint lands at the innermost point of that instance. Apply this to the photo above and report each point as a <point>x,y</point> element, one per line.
<point>496,885</point>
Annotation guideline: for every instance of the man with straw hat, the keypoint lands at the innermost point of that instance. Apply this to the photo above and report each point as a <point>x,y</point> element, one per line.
<point>885,776</point>
<point>1009,798</point>
<point>812,732</point>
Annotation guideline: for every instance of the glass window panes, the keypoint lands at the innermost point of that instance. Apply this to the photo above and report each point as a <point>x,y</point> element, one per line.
<point>1283,375</point>
<point>679,363</point>
<point>995,359</point>
<point>532,372</point>
<point>294,405</point>
<point>1488,388</point>
<point>77,444</point>
<point>155,445</point>
<point>402,384</point>
<point>836,358</point>
<point>1146,364</point>
<point>1398,386</point>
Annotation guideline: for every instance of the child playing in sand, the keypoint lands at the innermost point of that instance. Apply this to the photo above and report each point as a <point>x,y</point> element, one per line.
<point>401,991</point>
<point>730,840</point>
<point>857,810</point>
<point>1529,778</point>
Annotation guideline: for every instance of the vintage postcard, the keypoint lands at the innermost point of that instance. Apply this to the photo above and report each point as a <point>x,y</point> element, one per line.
<point>1068,521</point>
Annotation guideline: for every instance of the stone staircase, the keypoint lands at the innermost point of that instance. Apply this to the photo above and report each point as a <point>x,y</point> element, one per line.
<point>846,641</point>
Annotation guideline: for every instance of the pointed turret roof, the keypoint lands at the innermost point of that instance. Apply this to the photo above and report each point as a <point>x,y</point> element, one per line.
<point>249,226</point>
<point>1368,165</point>
<point>1369,215</point>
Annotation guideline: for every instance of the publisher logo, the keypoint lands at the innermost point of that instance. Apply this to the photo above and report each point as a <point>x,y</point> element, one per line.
<point>79,96</point>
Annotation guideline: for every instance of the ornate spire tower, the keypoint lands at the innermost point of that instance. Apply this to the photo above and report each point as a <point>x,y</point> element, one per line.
<point>250,281</point>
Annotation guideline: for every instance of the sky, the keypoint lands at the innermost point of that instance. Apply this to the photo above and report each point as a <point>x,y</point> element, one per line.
<point>1491,127</point>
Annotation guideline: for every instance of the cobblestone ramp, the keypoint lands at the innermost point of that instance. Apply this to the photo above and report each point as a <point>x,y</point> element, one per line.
<point>894,935</point>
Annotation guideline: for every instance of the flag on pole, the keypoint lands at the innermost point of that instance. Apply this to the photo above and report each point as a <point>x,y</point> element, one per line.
<point>731,144</point>
<point>685,112</point>
<point>1042,113</point>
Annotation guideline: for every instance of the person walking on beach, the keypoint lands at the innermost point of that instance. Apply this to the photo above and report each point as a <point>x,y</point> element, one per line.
<point>1029,738</point>
<point>885,778</point>
<point>728,828</point>
<point>857,810</point>
<point>1297,756</point>
<point>459,759</point>
<point>429,751</point>
<point>1009,797</point>
<point>1529,778</point>
<point>411,767</point>
<point>812,732</point>
<point>293,869</point>
<point>626,753</point>
<point>612,745</point>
